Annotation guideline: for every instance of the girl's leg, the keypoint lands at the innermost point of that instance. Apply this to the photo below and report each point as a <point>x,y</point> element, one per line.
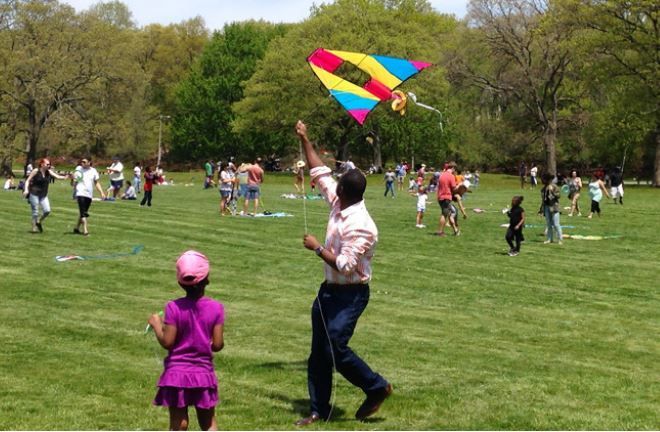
<point>206,419</point>
<point>518,236</point>
<point>144,198</point>
<point>149,198</point>
<point>178,418</point>
<point>509,237</point>
<point>557,225</point>
<point>548,224</point>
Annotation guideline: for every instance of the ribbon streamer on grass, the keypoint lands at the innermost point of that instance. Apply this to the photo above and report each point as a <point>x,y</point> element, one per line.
<point>63,258</point>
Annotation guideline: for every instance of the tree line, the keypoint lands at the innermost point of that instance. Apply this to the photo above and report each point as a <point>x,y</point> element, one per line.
<point>564,83</point>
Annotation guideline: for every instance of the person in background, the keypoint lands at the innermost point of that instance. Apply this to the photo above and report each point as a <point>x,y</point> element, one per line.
<point>550,194</point>
<point>86,180</point>
<point>116,173</point>
<point>574,188</point>
<point>129,193</point>
<point>9,183</point>
<point>516,225</point>
<point>208,172</point>
<point>533,172</point>
<point>255,178</point>
<point>616,184</point>
<point>422,197</point>
<point>35,190</point>
<point>150,177</point>
<point>596,191</point>
<point>446,185</point>
<point>226,180</point>
<point>137,177</point>
<point>389,179</point>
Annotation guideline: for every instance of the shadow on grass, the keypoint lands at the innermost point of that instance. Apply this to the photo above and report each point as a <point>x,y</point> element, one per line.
<point>301,406</point>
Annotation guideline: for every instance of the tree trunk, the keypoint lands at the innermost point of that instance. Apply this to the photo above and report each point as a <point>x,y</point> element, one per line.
<point>32,136</point>
<point>549,144</point>
<point>378,154</point>
<point>656,165</point>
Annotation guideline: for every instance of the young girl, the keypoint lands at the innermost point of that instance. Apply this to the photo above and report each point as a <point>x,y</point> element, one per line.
<point>191,331</point>
<point>150,177</point>
<point>596,191</point>
<point>422,197</point>
<point>516,225</point>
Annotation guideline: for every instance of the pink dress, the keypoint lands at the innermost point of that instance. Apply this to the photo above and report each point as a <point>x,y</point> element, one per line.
<point>189,377</point>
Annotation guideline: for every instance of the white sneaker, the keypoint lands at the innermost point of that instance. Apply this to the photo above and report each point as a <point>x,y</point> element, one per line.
<point>547,242</point>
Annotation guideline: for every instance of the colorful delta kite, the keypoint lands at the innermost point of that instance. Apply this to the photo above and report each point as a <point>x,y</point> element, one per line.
<point>386,73</point>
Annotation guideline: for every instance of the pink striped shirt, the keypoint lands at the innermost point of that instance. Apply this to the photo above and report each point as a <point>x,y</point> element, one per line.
<point>351,234</point>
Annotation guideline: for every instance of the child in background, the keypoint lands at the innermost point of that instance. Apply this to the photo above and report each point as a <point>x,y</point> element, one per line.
<point>516,225</point>
<point>150,177</point>
<point>596,190</point>
<point>412,185</point>
<point>422,197</point>
<point>191,331</point>
<point>129,194</point>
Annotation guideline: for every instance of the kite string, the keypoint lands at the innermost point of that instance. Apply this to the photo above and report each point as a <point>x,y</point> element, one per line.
<point>318,301</point>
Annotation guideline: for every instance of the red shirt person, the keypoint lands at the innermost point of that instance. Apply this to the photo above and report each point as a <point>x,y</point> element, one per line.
<point>446,184</point>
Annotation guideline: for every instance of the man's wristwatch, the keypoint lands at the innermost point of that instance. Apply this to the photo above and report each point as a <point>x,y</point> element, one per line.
<point>319,250</point>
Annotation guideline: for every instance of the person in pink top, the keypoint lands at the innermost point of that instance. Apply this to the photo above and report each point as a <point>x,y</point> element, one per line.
<point>350,239</point>
<point>191,331</point>
<point>255,178</point>
<point>446,186</point>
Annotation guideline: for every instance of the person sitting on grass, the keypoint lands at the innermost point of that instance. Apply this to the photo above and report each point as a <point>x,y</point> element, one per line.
<point>129,193</point>
<point>191,330</point>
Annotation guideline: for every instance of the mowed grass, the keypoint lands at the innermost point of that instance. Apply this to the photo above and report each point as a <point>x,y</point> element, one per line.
<point>560,337</point>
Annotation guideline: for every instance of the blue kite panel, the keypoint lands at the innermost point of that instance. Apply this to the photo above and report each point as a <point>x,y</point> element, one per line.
<point>400,68</point>
<point>351,101</point>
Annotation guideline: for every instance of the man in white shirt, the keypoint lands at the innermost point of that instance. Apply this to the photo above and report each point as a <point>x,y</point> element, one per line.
<point>86,179</point>
<point>116,172</point>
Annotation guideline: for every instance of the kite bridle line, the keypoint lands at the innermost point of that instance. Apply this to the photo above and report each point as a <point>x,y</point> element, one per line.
<point>318,301</point>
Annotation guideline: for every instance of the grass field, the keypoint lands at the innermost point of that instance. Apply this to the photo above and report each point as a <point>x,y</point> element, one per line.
<point>560,337</point>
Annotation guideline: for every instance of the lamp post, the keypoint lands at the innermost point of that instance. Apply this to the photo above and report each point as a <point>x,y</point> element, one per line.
<point>160,135</point>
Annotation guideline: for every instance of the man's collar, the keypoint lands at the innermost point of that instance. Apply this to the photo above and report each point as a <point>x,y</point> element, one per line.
<point>351,209</point>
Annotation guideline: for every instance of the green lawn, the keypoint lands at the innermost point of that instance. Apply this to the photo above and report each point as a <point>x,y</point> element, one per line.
<point>560,337</point>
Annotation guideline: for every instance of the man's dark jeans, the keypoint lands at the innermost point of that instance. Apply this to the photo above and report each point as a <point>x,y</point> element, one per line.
<point>340,308</point>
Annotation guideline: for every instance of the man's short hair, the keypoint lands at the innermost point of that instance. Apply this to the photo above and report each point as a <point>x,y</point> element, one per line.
<point>354,183</point>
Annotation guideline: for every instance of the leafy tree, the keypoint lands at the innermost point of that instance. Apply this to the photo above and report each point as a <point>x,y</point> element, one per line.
<point>56,65</point>
<point>283,89</point>
<point>203,113</point>
<point>526,61</point>
<point>621,39</point>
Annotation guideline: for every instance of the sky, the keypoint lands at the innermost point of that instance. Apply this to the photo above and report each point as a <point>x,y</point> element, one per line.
<point>217,13</point>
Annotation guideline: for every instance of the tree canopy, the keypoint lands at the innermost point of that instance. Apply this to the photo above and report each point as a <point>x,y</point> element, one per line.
<point>568,83</point>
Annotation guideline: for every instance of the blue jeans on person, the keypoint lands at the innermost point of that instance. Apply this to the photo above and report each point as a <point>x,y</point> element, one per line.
<point>136,184</point>
<point>35,202</point>
<point>389,186</point>
<point>552,222</point>
<point>339,310</point>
